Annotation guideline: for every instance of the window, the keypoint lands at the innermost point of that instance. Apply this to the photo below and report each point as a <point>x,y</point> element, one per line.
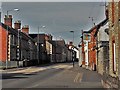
<point>86,37</point>
<point>114,56</point>
<point>13,40</point>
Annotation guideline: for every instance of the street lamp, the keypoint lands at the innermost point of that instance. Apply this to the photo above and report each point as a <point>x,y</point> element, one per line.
<point>38,43</point>
<point>18,48</point>
<point>72,48</point>
<point>15,9</point>
<point>73,35</point>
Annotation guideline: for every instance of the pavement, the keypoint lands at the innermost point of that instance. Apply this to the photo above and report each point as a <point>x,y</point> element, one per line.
<point>62,75</point>
<point>34,69</point>
<point>12,69</point>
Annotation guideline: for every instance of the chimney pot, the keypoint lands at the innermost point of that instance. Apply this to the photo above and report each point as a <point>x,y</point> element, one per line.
<point>17,24</point>
<point>8,20</point>
<point>25,29</point>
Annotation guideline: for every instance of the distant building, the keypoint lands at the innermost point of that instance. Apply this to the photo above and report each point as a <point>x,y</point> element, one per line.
<point>86,41</point>
<point>44,47</point>
<point>49,51</point>
<point>59,51</point>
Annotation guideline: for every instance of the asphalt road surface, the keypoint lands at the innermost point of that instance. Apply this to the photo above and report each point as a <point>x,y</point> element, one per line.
<point>54,76</point>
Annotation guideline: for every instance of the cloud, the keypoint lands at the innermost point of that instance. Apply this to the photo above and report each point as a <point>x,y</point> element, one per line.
<point>58,17</point>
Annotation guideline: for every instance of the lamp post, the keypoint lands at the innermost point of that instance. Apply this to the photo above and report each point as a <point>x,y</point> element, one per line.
<point>15,9</point>
<point>72,48</point>
<point>73,35</point>
<point>38,43</point>
<point>18,48</point>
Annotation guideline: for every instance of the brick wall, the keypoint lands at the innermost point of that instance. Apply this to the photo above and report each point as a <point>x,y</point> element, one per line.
<point>113,37</point>
<point>92,51</point>
<point>110,80</point>
<point>3,44</point>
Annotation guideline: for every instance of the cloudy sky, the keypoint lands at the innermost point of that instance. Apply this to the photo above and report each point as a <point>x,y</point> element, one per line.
<point>59,18</point>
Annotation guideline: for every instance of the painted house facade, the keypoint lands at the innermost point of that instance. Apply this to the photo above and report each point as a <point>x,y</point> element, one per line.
<point>86,41</point>
<point>44,47</point>
<point>59,51</point>
<point>102,47</point>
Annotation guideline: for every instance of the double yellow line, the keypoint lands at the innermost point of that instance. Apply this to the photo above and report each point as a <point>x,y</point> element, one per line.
<point>78,78</point>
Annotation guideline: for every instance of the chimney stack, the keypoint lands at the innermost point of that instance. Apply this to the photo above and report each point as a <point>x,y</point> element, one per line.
<point>25,29</point>
<point>17,25</point>
<point>8,20</point>
<point>71,43</point>
<point>50,36</point>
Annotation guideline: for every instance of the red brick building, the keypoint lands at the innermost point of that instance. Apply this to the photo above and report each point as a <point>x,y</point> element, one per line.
<point>92,51</point>
<point>4,38</point>
<point>88,45</point>
<point>3,44</point>
<point>15,48</point>
<point>112,78</point>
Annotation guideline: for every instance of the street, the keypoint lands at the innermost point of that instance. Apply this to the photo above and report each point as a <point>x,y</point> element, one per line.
<point>61,75</point>
<point>63,45</point>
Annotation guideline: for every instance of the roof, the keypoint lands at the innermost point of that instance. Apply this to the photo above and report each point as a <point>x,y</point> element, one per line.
<point>99,25</point>
<point>60,43</point>
<point>33,35</point>
<point>86,32</point>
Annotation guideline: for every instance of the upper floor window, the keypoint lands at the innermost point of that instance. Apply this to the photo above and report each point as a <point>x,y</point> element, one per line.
<point>12,39</point>
<point>114,56</point>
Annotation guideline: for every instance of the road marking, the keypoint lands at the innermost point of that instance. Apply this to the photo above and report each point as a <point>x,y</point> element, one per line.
<point>78,78</point>
<point>75,80</point>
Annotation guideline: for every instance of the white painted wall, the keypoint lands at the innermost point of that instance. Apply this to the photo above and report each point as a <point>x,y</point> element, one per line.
<point>80,57</point>
<point>103,36</point>
<point>86,52</point>
<point>77,53</point>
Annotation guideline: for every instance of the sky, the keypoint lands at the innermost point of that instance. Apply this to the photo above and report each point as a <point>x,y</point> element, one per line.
<point>59,18</point>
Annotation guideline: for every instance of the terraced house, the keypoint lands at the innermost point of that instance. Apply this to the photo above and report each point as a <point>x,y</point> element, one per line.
<point>17,46</point>
<point>112,79</point>
<point>102,46</point>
